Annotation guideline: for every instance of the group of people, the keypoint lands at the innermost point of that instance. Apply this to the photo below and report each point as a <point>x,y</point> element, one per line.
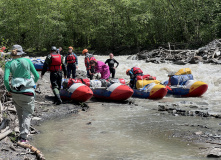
<point>68,64</point>
<point>23,85</point>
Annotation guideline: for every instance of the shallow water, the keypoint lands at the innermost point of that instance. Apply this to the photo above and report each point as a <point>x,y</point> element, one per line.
<point>113,131</point>
<point>121,131</point>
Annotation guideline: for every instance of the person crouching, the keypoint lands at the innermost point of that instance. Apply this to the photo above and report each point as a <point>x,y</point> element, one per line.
<point>100,67</point>
<point>133,73</point>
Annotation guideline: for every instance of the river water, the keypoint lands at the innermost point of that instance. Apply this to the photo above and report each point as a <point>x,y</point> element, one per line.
<point>121,131</point>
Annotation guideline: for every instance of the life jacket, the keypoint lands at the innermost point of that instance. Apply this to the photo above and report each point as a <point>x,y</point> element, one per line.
<point>137,70</point>
<point>87,61</point>
<point>146,77</point>
<point>71,58</point>
<point>55,62</point>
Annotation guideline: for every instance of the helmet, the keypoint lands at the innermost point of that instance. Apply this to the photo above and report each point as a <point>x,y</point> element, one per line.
<point>53,48</point>
<point>127,71</point>
<point>70,48</point>
<point>93,59</point>
<point>84,51</point>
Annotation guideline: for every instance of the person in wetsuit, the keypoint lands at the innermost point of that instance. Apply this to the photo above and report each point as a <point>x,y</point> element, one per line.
<point>55,63</point>
<point>111,63</point>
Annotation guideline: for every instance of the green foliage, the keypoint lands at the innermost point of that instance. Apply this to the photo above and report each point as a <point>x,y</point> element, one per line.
<point>108,24</point>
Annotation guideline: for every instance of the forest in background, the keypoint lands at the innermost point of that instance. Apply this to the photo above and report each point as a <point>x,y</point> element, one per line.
<point>108,24</point>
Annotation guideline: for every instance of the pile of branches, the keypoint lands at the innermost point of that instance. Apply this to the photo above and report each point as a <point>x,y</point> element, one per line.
<point>8,119</point>
<point>207,54</point>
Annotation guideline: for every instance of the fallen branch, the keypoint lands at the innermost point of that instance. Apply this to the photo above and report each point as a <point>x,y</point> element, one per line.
<point>4,134</point>
<point>3,130</point>
<point>213,143</point>
<point>33,149</point>
<point>12,110</point>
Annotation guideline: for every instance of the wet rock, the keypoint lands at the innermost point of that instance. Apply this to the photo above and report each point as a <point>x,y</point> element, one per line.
<point>190,113</point>
<point>198,133</point>
<point>193,106</point>
<point>16,129</point>
<point>174,112</point>
<point>202,114</point>
<point>132,57</point>
<point>162,108</point>
<point>214,152</point>
<point>36,119</point>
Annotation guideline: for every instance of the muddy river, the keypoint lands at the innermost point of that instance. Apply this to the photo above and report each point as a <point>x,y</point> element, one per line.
<point>125,131</point>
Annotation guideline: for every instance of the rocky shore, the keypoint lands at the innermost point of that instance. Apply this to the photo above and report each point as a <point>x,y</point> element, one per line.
<point>208,135</point>
<point>44,110</point>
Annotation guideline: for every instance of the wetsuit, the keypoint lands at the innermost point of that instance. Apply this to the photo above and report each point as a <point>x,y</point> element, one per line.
<point>55,63</point>
<point>110,63</point>
<point>72,61</point>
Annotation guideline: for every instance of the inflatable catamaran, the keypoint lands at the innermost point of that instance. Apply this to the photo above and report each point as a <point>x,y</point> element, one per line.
<point>38,63</point>
<point>150,89</point>
<point>182,83</point>
<point>102,89</point>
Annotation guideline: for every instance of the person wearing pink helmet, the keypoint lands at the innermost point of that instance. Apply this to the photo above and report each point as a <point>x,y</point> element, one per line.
<point>100,67</point>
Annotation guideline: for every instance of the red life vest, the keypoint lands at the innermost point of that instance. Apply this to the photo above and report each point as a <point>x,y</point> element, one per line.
<point>137,70</point>
<point>55,62</point>
<point>87,62</point>
<point>71,58</point>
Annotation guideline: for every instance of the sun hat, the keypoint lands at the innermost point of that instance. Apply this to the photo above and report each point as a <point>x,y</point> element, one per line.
<point>18,48</point>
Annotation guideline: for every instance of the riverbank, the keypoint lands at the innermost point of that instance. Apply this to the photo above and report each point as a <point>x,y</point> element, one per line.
<point>187,119</point>
<point>44,110</point>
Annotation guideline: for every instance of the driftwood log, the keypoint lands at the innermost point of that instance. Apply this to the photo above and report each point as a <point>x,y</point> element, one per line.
<point>33,149</point>
<point>5,134</point>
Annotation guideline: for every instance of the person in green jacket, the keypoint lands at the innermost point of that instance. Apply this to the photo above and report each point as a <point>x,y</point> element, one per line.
<point>54,61</point>
<point>22,88</point>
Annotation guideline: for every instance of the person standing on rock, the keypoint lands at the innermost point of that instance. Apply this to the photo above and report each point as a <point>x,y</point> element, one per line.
<point>22,88</point>
<point>90,69</point>
<point>100,67</point>
<point>55,63</point>
<point>72,63</point>
<point>111,63</point>
<point>133,73</point>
